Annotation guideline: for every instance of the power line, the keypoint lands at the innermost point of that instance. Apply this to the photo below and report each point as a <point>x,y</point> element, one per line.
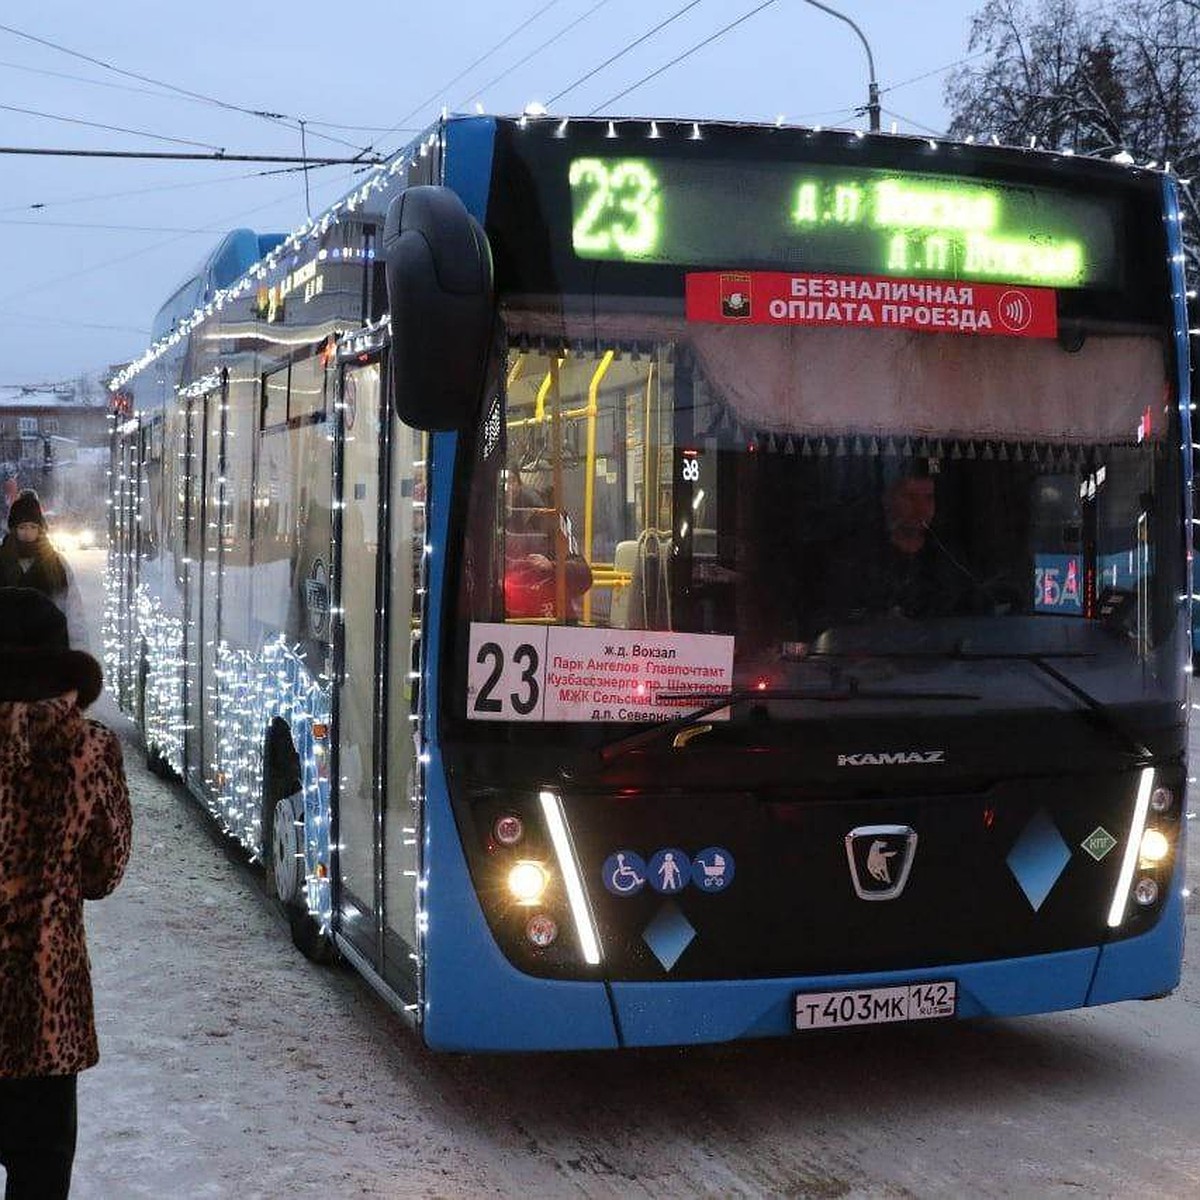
<point>170,87</point>
<point>464,72</point>
<point>621,53</point>
<point>277,118</point>
<point>107,228</point>
<point>23,318</point>
<point>534,53</point>
<point>158,137</point>
<point>891,112</point>
<point>79,272</point>
<point>145,91</point>
<point>174,156</point>
<point>936,71</point>
<point>162,187</point>
<point>679,58</point>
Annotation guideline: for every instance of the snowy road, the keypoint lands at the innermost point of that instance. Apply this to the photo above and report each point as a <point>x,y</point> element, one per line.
<point>233,1068</point>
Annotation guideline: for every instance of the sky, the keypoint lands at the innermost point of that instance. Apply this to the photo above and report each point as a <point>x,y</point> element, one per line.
<point>93,246</point>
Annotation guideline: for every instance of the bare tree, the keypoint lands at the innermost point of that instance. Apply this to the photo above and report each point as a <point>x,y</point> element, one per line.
<point>1098,79</point>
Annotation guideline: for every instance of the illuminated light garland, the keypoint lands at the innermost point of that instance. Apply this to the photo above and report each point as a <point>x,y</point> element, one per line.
<point>163,722</point>
<point>251,690</point>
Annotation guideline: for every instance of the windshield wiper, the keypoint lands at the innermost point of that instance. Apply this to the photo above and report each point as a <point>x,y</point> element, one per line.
<point>1098,714</point>
<point>714,702</point>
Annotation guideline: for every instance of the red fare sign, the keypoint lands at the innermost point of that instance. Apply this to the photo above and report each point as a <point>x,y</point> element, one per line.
<point>871,302</point>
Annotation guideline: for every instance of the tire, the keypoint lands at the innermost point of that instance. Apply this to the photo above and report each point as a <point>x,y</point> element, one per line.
<point>281,786</point>
<point>157,765</point>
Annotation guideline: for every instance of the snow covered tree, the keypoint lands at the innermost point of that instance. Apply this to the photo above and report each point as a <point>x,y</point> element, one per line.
<point>1100,79</point>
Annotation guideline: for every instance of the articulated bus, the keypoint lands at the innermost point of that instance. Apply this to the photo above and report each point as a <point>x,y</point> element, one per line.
<point>639,582</point>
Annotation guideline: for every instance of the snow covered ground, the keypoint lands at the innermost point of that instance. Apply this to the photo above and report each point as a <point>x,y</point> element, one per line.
<point>231,1067</point>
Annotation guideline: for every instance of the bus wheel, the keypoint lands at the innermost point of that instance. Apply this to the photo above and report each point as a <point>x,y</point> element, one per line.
<point>283,843</point>
<point>157,764</point>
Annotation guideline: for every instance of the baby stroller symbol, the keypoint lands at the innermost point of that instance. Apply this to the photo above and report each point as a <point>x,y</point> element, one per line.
<point>712,869</point>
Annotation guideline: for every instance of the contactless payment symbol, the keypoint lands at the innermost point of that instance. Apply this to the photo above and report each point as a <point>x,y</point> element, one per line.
<point>670,871</point>
<point>712,869</point>
<point>1016,310</point>
<point>624,873</point>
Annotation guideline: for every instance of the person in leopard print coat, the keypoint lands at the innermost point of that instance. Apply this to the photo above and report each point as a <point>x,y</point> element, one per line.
<point>65,830</point>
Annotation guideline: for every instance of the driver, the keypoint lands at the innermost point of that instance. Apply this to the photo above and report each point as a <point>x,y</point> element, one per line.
<point>907,570</point>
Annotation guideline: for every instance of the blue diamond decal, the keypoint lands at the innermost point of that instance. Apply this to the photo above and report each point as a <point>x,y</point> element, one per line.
<point>669,934</point>
<point>1038,858</point>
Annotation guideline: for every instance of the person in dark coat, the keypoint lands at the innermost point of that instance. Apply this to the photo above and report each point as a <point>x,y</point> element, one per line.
<point>28,559</point>
<point>65,830</point>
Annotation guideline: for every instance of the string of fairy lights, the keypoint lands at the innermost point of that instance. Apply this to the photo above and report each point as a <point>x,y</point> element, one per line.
<point>252,687</point>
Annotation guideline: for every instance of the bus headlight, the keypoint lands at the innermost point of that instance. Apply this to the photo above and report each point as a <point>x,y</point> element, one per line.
<point>1145,891</point>
<point>527,882</point>
<point>1155,846</point>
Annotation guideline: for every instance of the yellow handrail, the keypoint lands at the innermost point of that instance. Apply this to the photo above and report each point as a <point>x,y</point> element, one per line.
<point>589,483</point>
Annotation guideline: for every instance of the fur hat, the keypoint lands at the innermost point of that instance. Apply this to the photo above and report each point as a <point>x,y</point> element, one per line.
<point>26,507</point>
<point>36,661</point>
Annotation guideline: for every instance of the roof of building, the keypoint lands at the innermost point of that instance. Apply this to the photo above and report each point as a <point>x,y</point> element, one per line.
<point>14,396</point>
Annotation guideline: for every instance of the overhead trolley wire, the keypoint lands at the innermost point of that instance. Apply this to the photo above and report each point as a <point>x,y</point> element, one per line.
<point>158,137</point>
<point>170,87</point>
<point>277,118</point>
<point>161,187</point>
<point>686,54</point>
<point>463,73</point>
<point>680,57</point>
<point>79,271</point>
<point>145,91</point>
<point>621,53</point>
<point>534,53</point>
<point>217,156</point>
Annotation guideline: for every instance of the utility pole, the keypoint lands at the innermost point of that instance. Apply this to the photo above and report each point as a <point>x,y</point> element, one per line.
<point>872,86</point>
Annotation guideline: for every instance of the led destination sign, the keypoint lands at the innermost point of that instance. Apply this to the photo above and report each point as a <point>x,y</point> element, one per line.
<point>853,220</point>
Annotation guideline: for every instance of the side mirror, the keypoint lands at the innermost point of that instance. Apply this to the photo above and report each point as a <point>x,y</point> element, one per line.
<point>438,267</point>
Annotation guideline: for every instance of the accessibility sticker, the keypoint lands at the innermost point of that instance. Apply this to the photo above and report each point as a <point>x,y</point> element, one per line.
<point>712,869</point>
<point>624,873</point>
<point>670,871</point>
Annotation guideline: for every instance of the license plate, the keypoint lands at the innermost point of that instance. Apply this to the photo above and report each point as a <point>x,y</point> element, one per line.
<point>875,1006</point>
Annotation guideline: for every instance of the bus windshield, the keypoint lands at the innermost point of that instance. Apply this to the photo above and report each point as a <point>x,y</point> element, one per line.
<point>774,499</point>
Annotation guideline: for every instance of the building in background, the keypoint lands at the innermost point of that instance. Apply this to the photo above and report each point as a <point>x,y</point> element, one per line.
<point>54,437</point>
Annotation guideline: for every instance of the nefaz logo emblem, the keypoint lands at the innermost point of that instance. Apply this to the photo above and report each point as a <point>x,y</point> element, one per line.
<point>880,858</point>
<point>897,758</point>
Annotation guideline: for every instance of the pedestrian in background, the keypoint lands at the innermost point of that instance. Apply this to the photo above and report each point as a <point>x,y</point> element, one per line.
<point>28,559</point>
<point>64,838</point>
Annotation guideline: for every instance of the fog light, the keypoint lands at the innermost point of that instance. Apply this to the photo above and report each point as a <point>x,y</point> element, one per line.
<point>541,930</point>
<point>527,881</point>
<point>1155,846</point>
<point>1145,891</point>
<point>1161,799</point>
<point>509,829</point>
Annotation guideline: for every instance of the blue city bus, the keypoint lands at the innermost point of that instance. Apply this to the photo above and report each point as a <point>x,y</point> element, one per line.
<point>642,582</point>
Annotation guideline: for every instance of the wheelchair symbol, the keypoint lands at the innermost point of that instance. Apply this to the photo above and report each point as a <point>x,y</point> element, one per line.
<point>624,873</point>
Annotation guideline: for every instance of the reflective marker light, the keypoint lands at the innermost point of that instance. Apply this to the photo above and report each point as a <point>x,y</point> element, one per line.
<point>1161,799</point>
<point>541,930</point>
<point>589,943</point>
<point>527,882</point>
<point>1141,808</point>
<point>508,829</point>
<point>1155,846</point>
<point>1145,892</point>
